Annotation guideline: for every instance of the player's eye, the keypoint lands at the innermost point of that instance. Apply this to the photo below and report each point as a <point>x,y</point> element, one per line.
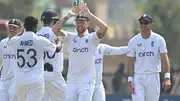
<point>143,22</point>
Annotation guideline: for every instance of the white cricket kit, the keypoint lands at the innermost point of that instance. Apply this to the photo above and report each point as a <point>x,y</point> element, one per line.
<point>147,65</point>
<point>81,71</point>
<point>7,76</point>
<point>29,76</point>
<point>55,86</point>
<point>101,51</point>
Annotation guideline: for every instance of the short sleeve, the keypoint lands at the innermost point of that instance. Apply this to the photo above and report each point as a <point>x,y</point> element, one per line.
<point>95,39</point>
<point>131,49</point>
<point>12,43</point>
<point>47,45</point>
<point>162,45</point>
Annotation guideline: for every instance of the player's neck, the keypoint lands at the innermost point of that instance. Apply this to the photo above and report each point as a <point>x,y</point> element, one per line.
<point>145,34</point>
<point>81,35</point>
<point>47,25</point>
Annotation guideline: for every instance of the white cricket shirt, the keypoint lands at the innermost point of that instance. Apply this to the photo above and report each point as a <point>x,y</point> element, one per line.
<point>81,57</point>
<point>103,50</point>
<point>57,60</point>
<point>30,52</point>
<point>147,52</point>
<point>8,60</point>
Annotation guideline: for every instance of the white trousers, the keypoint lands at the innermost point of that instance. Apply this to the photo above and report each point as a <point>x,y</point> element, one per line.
<point>7,90</point>
<point>80,92</point>
<point>31,92</point>
<point>147,87</point>
<point>99,93</point>
<point>55,90</point>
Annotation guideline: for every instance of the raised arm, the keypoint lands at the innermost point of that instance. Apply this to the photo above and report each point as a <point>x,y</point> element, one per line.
<point>102,26</point>
<point>58,26</point>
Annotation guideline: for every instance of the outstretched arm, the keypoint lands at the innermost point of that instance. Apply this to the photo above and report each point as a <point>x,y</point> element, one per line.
<point>110,50</point>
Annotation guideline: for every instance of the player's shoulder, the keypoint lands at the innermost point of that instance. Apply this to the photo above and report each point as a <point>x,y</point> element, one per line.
<point>4,40</point>
<point>135,38</point>
<point>103,46</point>
<point>157,36</point>
<point>41,38</point>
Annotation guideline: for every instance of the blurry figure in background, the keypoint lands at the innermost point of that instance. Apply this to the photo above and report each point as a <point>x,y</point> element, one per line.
<point>7,88</point>
<point>119,81</point>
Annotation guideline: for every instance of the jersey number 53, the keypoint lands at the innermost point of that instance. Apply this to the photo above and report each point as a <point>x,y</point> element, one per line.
<point>32,57</point>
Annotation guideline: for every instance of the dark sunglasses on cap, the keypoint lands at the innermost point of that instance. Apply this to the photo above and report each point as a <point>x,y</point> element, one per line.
<point>144,22</point>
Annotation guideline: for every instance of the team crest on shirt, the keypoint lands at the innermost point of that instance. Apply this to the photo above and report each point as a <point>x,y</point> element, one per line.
<point>75,40</point>
<point>139,45</point>
<point>152,43</point>
<point>86,40</point>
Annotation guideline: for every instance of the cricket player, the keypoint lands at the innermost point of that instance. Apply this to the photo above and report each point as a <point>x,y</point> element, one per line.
<point>8,63</point>
<point>29,49</point>
<point>147,51</point>
<point>55,86</point>
<point>101,51</point>
<point>81,49</point>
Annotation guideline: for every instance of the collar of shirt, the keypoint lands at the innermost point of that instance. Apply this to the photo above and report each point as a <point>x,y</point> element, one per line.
<point>28,32</point>
<point>85,33</point>
<point>46,28</point>
<point>152,33</point>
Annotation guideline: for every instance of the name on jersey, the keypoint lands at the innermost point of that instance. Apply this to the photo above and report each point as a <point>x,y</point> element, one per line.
<point>9,56</point>
<point>45,35</point>
<point>142,54</point>
<point>98,61</point>
<point>80,50</point>
<point>26,43</point>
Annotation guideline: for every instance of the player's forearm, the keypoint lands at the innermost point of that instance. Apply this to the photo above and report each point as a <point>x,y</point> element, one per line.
<point>165,65</point>
<point>57,27</point>
<point>130,65</point>
<point>102,26</point>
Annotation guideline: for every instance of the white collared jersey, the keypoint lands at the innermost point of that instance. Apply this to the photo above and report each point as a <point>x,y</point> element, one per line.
<point>8,62</point>
<point>30,52</point>
<point>57,60</point>
<point>103,50</point>
<point>81,52</point>
<point>147,52</point>
<point>47,33</point>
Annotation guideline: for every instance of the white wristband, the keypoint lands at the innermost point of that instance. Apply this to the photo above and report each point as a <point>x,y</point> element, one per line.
<point>130,78</point>
<point>167,76</point>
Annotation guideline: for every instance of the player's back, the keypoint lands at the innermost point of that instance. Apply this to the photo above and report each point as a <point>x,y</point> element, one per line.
<point>30,50</point>
<point>56,60</point>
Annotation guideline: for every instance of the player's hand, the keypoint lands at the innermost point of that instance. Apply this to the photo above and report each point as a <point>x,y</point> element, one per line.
<point>166,84</point>
<point>84,10</point>
<point>131,87</point>
<point>59,39</point>
<point>74,11</point>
